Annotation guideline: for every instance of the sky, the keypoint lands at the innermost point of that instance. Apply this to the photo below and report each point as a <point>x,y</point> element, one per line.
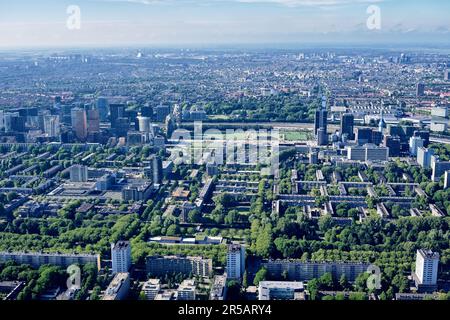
<point>43,23</point>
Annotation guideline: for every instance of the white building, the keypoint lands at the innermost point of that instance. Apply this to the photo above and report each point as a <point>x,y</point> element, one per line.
<point>51,125</point>
<point>427,263</point>
<point>424,157</point>
<point>186,290</point>
<point>78,173</point>
<point>441,111</point>
<point>414,144</point>
<point>235,261</point>
<point>151,288</point>
<point>279,290</point>
<point>438,168</point>
<point>121,256</point>
<point>447,179</point>
<point>119,287</point>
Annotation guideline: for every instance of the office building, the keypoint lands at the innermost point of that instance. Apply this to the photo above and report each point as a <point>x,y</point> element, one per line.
<point>235,261</point>
<point>322,137</point>
<point>363,135</point>
<point>447,75</point>
<point>321,117</point>
<point>151,288</point>
<point>145,125</point>
<point>117,111</point>
<point>377,137</point>
<point>368,152</point>
<point>103,108</point>
<point>162,112</point>
<point>420,89</point>
<point>347,125</point>
<point>147,111</point>
<point>374,153</point>
<point>78,173</point>
<point>14,122</point>
<point>382,123</point>
<point>424,157</point>
<point>425,274</point>
<point>93,121</point>
<point>424,135</point>
<point>51,125</point>
<point>38,259</point>
<point>393,144</point>
<point>119,287</point>
<point>161,265</point>
<point>279,290</point>
<point>79,123</point>
<point>121,256</point>
<point>415,142</point>
<point>403,132</point>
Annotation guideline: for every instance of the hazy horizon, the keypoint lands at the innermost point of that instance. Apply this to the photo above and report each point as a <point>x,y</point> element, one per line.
<point>168,23</point>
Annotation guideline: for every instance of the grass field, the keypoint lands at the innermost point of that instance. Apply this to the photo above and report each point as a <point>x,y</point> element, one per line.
<point>295,135</point>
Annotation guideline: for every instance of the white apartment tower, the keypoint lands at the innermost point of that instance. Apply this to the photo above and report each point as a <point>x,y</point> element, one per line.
<point>235,261</point>
<point>78,173</point>
<point>121,256</point>
<point>427,263</point>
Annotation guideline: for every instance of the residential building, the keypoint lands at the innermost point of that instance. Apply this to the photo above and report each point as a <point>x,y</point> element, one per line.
<point>38,259</point>
<point>415,142</point>
<point>78,173</point>
<point>425,274</point>
<point>438,168</point>
<point>424,157</point>
<point>151,288</point>
<point>297,270</point>
<point>186,290</point>
<point>235,261</point>
<point>121,256</point>
<point>219,288</point>
<point>119,287</point>
<point>162,265</point>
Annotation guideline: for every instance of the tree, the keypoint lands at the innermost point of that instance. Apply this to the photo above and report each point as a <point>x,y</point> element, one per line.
<point>313,288</point>
<point>343,282</point>
<point>325,223</point>
<point>260,276</point>
<point>326,281</point>
<point>264,241</point>
<point>173,230</point>
<point>195,216</point>
<point>357,296</point>
<point>245,280</point>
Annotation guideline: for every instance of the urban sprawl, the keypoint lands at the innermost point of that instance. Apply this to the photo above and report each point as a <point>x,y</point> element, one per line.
<point>313,174</point>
